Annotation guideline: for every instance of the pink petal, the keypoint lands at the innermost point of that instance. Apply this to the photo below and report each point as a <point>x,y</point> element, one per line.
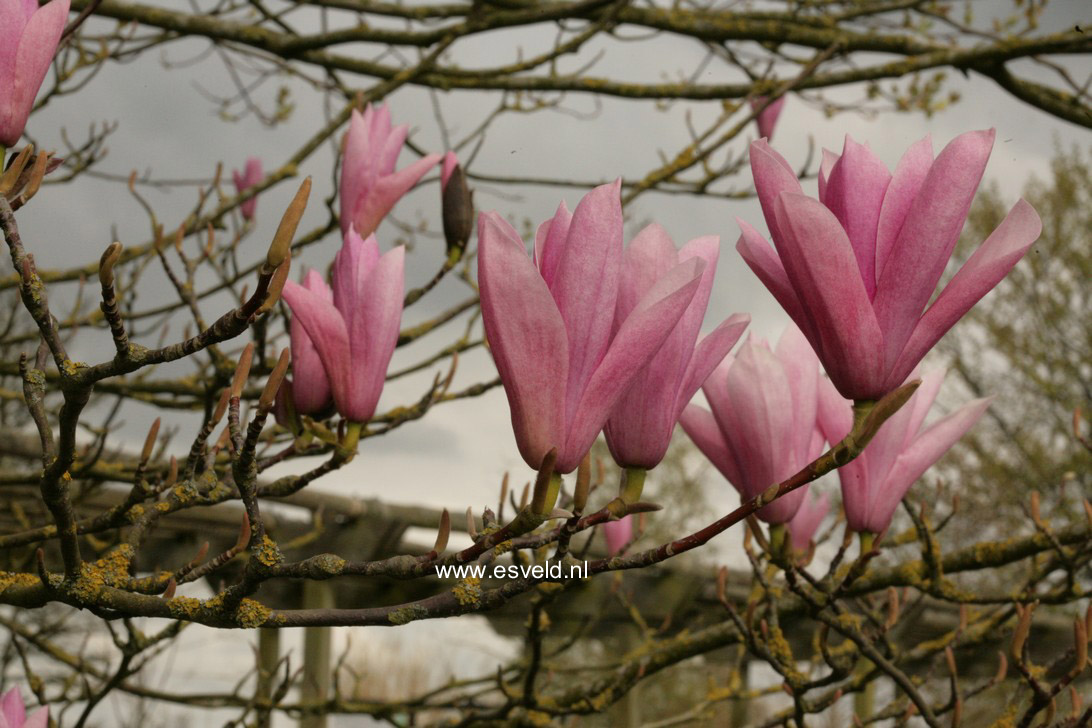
<point>925,450</point>
<point>910,174</point>
<point>637,341</point>
<point>373,331</point>
<point>449,165</point>
<point>767,118</point>
<point>763,260</point>
<point>708,354</point>
<point>802,370</point>
<point>526,336</point>
<point>983,270</point>
<point>927,238</point>
<point>585,286</point>
<point>11,707</point>
<point>698,423</point>
<point>649,256</point>
<point>854,193</point>
<point>806,522</point>
<point>820,263</point>
<point>328,332</point>
<point>38,719</point>
<point>550,240</point>
<point>36,46</point>
<point>772,176</point>
<point>312,395</point>
<point>353,263</point>
<point>835,414</point>
<point>618,534</point>
<point>825,166</point>
<point>380,199</point>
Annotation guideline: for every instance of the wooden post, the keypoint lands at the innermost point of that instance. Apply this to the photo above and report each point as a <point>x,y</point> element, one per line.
<point>269,654</point>
<point>316,652</point>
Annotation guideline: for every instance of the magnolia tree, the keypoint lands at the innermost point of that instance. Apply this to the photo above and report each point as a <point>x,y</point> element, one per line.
<point>851,610</point>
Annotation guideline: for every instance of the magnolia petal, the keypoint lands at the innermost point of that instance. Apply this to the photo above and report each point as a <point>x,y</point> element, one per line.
<point>618,534</point>
<point>526,336</point>
<point>708,354</point>
<point>926,449</point>
<point>825,166</point>
<point>700,426</point>
<point>820,263</point>
<point>550,239</point>
<point>927,238</point>
<point>585,286</point>
<point>353,263</point>
<point>910,174</point>
<point>36,46</point>
<point>854,193</point>
<point>802,370</point>
<point>772,176</point>
<point>373,331</point>
<point>380,199</point>
<point>763,260</point>
<point>637,341</point>
<point>991,262</point>
<point>806,522</point>
<point>330,336</point>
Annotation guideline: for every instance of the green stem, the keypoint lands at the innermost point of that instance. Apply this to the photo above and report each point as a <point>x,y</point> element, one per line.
<point>867,539</point>
<point>633,482</point>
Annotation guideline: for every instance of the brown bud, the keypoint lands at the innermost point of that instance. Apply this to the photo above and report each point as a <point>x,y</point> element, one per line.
<point>471,527</point>
<point>37,174</point>
<point>244,535</point>
<point>1002,667</point>
<point>1080,643</point>
<point>273,384</point>
<point>281,247</point>
<point>525,496</point>
<point>221,408</point>
<point>1023,627</point>
<point>107,262</point>
<point>242,371</point>
<point>503,491</point>
<point>443,532</point>
<point>1076,703</point>
<point>149,441</point>
<point>11,174</point>
<point>168,593</point>
<point>201,554</point>
<point>172,473</point>
<point>949,657</point>
<point>1036,517</point>
<point>892,607</point>
<point>458,210</point>
<point>722,585</point>
<point>276,285</point>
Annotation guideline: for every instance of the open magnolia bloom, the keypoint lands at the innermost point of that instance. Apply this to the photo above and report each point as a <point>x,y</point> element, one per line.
<point>763,426</point>
<point>874,483</point>
<point>355,333</point>
<point>551,328</point>
<point>639,429</point>
<point>28,39</point>
<point>856,268</point>
<point>369,186</point>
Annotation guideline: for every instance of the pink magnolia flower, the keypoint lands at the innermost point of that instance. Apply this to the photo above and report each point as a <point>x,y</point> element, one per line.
<point>763,426</point>
<point>250,176</point>
<point>875,482</point>
<point>355,334</point>
<point>767,118</point>
<point>806,522</point>
<point>369,185</point>
<point>618,534</point>
<point>856,268</point>
<point>311,389</point>
<point>13,712</point>
<point>640,426</point>
<point>28,39</point>
<point>550,323</point>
